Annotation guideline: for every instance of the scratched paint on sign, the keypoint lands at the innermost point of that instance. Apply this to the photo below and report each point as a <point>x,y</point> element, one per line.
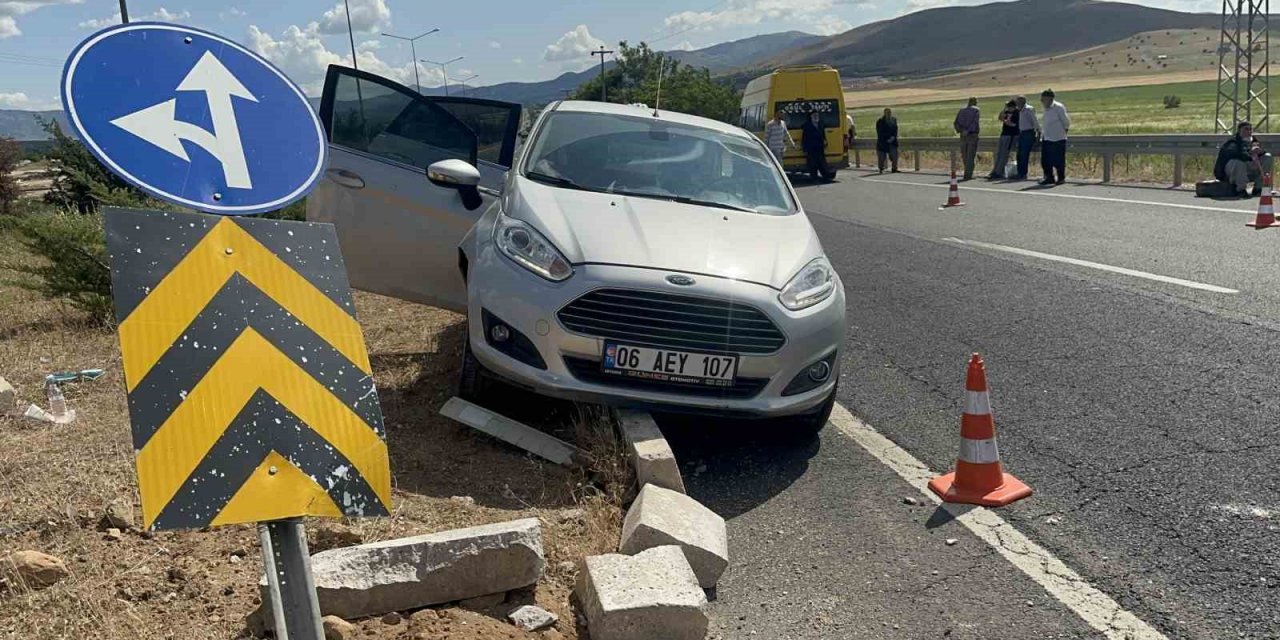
<point>250,391</point>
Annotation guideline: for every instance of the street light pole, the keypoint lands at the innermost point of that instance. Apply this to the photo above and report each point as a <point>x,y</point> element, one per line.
<point>124,12</point>
<point>443,73</point>
<point>414,52</point>
<point>351,35</point>
<point>465,80</point>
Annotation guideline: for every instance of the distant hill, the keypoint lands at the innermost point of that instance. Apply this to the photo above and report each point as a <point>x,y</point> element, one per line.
<point>927,42</point>
<point>23,125</point>
<point>718,59</point>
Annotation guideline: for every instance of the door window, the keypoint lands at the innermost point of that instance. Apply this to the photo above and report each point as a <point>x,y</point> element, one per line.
<point>495,124</point>
<point>369,114</point>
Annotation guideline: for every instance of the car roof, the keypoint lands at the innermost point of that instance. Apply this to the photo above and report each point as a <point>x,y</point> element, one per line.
<point>587,106</point>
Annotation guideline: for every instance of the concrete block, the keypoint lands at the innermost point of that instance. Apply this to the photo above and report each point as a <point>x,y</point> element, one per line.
<point>509,431</point>
<point>651,456</point>
<point>662,517</point>
<point>411,573</point>
<point>653,594</point>
<point>531,618</point>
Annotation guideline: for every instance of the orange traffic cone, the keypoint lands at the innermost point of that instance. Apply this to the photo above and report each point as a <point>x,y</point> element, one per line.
<point>953,194</point>
<point>979,478</point>
<point>1266,208</point>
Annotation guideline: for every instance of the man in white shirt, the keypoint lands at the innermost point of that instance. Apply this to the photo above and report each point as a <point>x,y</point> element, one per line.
<point>1053,139</point>
<point>776,136</point>
<point>1028,129</point>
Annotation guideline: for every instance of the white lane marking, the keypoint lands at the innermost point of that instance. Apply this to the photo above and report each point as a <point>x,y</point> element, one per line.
<point>1191,284</point>
<point>1245,510</point>
<point>1051,194</point>
<point>1068,587</point>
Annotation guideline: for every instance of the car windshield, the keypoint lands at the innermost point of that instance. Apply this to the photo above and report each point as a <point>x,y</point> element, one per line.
<point>654,158</point>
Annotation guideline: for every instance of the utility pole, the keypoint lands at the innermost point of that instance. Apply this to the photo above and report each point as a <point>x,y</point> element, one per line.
<point>444,73</point>
<point>351,36</point>
<point>602,53</point>
<point>124,12</point>
<point>414,51</point>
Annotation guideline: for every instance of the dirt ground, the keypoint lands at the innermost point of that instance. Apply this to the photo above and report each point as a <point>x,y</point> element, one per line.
<point>56,481</point>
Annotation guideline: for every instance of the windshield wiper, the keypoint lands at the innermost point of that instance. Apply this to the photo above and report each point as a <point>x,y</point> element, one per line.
<point>710,203</point>
<point>558,181</point>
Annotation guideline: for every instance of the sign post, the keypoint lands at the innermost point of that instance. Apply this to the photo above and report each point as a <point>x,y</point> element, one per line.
<point>250,391</point>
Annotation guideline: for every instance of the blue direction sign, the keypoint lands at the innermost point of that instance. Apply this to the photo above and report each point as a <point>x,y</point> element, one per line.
<point>193,118</point>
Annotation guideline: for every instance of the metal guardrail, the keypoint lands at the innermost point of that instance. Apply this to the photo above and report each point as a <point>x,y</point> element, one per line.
<point>1177,145</point>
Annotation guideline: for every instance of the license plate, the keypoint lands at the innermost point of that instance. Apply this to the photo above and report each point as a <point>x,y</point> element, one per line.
<point>666,365</point>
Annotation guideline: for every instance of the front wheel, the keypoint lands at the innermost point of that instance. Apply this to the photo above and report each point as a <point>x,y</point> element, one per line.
<point>809,425</point>
<point>474,381</point>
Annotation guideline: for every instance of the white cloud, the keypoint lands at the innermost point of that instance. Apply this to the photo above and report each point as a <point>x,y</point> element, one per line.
<point>20,100</point>
<point>161,15</point>
<point>683,46</point>
<point>11,9</point>
<point>231,12</point>
<point>495,44</point>
<point>831,25</point>
<point>573,46</point>
<point>518,60</point>
<point>301,53</point>
<point>370,45</point>
<point>367,16</point>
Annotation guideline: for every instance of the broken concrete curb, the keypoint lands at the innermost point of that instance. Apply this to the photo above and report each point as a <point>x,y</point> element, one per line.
<point>411,573</point>
<point>651,455</point>
<point>653,594</point>
<point>662,517</point>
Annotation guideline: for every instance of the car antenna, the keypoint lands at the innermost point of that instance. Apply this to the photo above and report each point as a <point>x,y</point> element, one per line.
<point>657,102</point>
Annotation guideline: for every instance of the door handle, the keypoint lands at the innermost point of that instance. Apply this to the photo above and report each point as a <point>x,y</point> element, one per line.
<point>346,178</point>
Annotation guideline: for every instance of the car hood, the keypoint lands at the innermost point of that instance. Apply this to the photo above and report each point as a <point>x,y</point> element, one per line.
<point>601,228</point>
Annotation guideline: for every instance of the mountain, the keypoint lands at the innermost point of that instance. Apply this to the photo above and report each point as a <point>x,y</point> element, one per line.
<point>718,58</point>
<point>934,40</point>
<point>23,125</point>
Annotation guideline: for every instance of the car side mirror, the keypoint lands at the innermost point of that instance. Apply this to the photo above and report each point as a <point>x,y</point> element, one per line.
<point>458,175</point>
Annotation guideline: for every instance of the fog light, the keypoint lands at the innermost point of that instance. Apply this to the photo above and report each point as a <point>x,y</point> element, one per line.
<point>499,333</point>
<point>820,371</point>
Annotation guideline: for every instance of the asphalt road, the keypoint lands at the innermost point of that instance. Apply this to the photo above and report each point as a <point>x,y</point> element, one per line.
<point>1144,414</point>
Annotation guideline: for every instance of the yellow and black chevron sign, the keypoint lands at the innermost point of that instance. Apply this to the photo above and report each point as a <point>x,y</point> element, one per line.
<point>250,390</point>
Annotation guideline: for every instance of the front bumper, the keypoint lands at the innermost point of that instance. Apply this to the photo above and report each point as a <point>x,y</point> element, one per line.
<point>529,305</point>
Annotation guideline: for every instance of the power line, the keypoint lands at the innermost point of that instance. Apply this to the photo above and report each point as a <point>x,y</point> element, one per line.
<point>692,27</point>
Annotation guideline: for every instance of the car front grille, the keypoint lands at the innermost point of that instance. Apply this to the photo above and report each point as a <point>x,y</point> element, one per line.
<point>671,321</point>
<point>589,371</point>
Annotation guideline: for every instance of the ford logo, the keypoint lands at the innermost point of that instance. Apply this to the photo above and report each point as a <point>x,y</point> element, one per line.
<point>680,281</point>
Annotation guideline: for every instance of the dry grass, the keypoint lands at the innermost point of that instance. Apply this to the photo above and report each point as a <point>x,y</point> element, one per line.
<point>56,481</point>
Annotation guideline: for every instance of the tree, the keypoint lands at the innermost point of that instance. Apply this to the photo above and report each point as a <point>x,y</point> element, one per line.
<point>10,154</point>
<point>81,183</point>
<point>634,79</point>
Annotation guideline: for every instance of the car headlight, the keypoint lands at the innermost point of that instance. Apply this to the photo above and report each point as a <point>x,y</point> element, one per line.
<point>812,285</point>
<point>528,248</point>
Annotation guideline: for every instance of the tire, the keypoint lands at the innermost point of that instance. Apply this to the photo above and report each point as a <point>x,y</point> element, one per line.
<point>809,425</point>
<point>474,381</point>
<point>830,176</point>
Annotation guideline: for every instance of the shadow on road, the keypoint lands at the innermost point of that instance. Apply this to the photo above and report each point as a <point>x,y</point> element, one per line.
<point>734,466</point>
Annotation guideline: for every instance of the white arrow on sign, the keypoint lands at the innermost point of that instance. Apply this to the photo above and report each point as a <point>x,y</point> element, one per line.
<point>159,125</point>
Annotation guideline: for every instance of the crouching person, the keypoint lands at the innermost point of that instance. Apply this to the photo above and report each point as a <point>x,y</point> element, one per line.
<point>1240,162</point>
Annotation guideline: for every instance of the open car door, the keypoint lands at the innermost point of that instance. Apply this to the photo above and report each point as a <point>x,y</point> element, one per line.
<point>399,232</point>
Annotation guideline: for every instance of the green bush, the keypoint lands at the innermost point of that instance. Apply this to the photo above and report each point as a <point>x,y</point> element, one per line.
<point>81,183</point>
<point>1172,102</point>
<point>73,262</point>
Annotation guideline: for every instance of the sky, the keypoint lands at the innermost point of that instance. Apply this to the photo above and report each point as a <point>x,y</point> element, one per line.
<point>499,40</point>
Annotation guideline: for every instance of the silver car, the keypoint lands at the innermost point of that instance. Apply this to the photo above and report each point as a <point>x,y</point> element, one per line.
<point>622,255</point>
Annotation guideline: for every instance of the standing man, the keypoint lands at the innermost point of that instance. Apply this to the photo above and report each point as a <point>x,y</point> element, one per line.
<point>1028,131</point>
<point>813,139</point>
<point>1240,161</point>
<point>1008,135</point>
<point>1053,139</point>
<point>887,139</point>
<point>967,124</point>
<point>776,136</point>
